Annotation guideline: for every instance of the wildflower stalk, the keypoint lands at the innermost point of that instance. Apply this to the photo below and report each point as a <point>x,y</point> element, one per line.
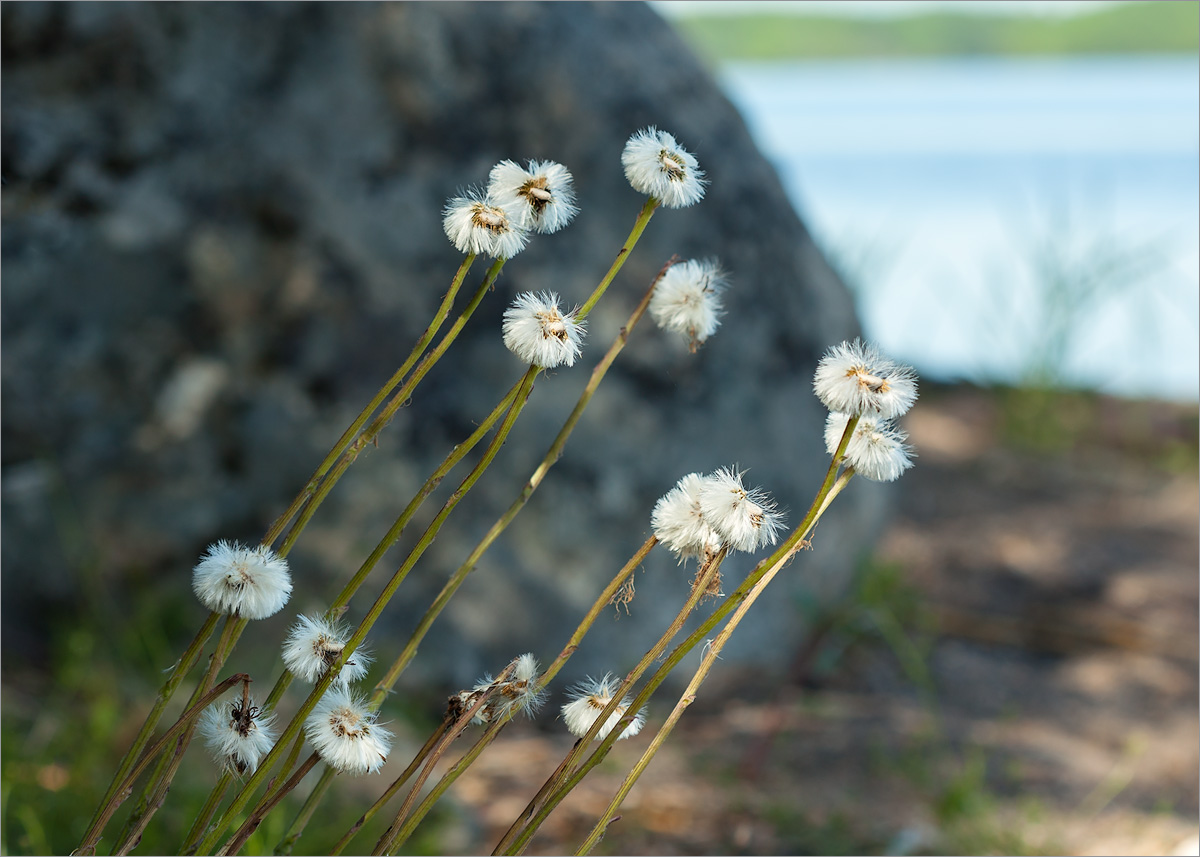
<point>605,598</point>
<point>315,490</point>
<point>451,734</point>
<point>553,454</point>
<point>639,226</point>
<point>689,694</point>
<point>251,824</point>
<point>778,557</point>
<point>182,667</point>
<point>206,813</point>
<point>92,835</point>
<point>352,431</point>
<point>155,790</point>
<point>456,455</point>
<point>398,400</point>
<point>554,789</point>
<point>356,639</point>
<point>388,794</point>
<point>383,687</point>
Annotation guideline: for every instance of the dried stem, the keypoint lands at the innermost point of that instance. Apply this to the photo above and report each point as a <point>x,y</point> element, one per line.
<point>396,785</point>
<point>556,787</point>
<point>553,454</point>
<point>712,652</point>
<point>357,637</point>
<point>92,836</point>
<point>547,676</point>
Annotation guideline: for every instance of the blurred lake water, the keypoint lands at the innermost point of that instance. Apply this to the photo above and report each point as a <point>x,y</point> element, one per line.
<point>996,216</point>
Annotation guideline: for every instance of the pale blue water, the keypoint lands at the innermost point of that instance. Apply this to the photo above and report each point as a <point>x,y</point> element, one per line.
<point>937,186</point>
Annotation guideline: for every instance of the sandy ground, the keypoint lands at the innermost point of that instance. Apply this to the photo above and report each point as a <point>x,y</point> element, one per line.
<point>1042,698</point>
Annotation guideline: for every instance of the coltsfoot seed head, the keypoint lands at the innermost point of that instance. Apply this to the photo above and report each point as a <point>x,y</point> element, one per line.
<point>313,645</point>
<point>542,194</point>
<point>659,167</point>
<point>539,333</point>
<point>238,734</point>
<point>877,449</point>
<point>687,299</point>
<point>475,223</point>
<point>679,522</point>
<point>344,732</point>
<point>252,583</point>
<point>588,699</point>
<point>854,378</point>
<point>744,518</point>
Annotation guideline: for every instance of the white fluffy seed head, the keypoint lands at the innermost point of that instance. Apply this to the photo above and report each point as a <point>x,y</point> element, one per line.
<point>687,299</point>
<point>238,735</point>
<point>344,733</point>
<point>475,223</point>
<point>511,696</point>
<point>542,193</point>
<point>877,449</point>
<point>679,522</point>
<point>659,167</point>
<point>253,583</point>
<point>744,519</point>
<point>854,378</point>
<point>589,698</point>
<point>313,645</point>
<point>538,332</point>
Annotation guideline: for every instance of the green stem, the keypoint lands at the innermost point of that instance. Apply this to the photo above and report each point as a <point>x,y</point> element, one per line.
<point>391,790</point>
<point>235,843</point>
<point>159,782</point>
<point>779,557</point>
<point>688,696</point>
<point>182,667</point>
<point>348,436</point>
<point>456,455</point>
<point>639,226</point>
<point>546,677</point>
<point>206,812</point>
<point>389,837</point>
<point>553,454</point>
<point>398,400</point>
<point>552,791</point>
<point>373,614</point>
<point>92,836</point>
<point>285,845</point>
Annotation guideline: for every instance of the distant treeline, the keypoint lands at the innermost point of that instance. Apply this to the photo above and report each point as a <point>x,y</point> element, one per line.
<point>1138,27</point>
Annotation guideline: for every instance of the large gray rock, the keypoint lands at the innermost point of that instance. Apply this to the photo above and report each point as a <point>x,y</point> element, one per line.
<point>222,232</point>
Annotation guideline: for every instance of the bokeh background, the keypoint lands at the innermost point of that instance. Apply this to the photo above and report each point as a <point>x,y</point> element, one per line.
<point>1003,661</point>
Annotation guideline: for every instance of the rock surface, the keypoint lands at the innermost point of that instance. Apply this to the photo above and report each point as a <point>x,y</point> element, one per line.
<point>222,233</point>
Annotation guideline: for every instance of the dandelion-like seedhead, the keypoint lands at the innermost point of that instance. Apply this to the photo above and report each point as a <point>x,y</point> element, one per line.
<point>679,522</point>
<point>877,449</point>
<point>542,193</point>
<point>344,732</point>
<point>539,333</point>
<point>238,734</point>
<point>475,223</point>
<point>253,583</point>
<point>744,519</point>
<point>589,698</point>
<point>659,167</point>
<point>511,695</point>
<point>854,378</point>
<point>313,645</point>
<point>687,299</point>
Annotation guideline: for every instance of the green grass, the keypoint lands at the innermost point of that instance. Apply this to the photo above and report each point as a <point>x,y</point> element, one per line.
<point>1144,27</point>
